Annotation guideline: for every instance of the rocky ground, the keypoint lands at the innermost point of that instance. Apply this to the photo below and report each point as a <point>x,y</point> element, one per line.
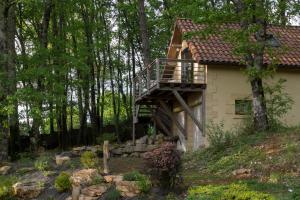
<point>34,175</point>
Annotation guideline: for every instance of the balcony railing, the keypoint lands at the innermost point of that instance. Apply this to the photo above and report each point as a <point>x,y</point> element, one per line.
<point>168,71</point>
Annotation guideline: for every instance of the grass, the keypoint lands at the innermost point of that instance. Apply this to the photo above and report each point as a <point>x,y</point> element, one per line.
<point>272,158</point>
<point>6,183</point>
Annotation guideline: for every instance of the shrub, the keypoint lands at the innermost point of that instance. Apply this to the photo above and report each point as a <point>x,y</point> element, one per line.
<point>165,163</point>
<point>62,182</point>
<point>89,159</point>
<point>217,136</point>
<point>6,183</point>
<point>278,102</point>
<point>143,181</point>
<point>97,180</point>
<point>113,194</point>
<point>42,164</point>
<point>227,192</point>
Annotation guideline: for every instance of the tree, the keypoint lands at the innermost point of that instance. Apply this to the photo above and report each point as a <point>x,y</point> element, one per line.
<point>9,124</point>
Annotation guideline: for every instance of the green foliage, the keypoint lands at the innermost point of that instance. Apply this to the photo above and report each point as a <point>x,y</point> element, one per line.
<point>171,196</point>
<point>227,192</point>
<point>217,136</point>
<point>113,194</point>
<point>6,183</point>
<point>97,180</point>
<point>90,159</point>
<point>62,182</point>
<point>143,181</point>
<point>278,102</point>
<point>42,163</point>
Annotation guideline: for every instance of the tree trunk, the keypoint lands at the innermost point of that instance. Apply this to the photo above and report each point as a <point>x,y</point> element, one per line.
<point>144,33</point>
<point>8,86</point>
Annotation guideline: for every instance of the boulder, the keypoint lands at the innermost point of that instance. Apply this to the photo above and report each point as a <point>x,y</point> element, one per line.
<point>128,188</point>
<point>140,148</point>
<point>30,186</point>
<point>151,147</point>
<point>113,178</point>
<point>4,170</point>
<point>117,151</point>
<point>84,176</point>
<point>142,140</point>
<point>78,150</point>
<point>242,173</point>
<point>94,149</point>
<point>94,190</point>
<point>135,155</point>
<point>60,160</point>
<point>128,149</point>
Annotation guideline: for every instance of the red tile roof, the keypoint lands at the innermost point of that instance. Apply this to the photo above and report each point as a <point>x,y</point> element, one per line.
<point>215,50</point>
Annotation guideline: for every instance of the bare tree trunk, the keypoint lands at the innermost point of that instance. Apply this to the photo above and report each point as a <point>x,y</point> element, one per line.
<point>10,134</point>
<point>144,33</point>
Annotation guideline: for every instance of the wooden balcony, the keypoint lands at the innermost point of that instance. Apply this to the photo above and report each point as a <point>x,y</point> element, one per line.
<point>157,80</point>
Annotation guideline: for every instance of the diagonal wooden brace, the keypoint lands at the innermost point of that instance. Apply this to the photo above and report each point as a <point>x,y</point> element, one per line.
<point>182,133</point>
<point>188,110</point>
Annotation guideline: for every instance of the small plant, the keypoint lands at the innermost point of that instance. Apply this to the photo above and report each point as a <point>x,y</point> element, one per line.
<point>171,196</point>
<point>143,181</point>
<point>42,164</point>
<point>226,192</point>
<point>62,182</point>
<point>6,183</point>
<point>217,136</point>
<point>97,180</point>
<point>89,159</point>
<point>165,163</point>
<point>113,194</point>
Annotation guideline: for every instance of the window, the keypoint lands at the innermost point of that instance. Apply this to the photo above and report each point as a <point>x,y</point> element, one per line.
<point>243,107</point>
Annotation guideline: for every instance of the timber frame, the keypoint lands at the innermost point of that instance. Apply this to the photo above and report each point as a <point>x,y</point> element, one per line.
<point>163,82</point>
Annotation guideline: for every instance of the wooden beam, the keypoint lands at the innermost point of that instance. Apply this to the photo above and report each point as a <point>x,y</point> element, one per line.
<point>187,109</point>
<point>161,124</point>
<point>170,114</point>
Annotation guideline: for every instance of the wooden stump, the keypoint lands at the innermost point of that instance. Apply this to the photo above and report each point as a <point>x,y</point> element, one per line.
<point>105,157</point>
<point>76,192</point>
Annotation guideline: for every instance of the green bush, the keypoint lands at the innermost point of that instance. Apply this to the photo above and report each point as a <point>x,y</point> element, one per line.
<point>62,182</point>
<point>217,136</point>
<point>89,159</point>
<point>143,181</point>
<point>227,192</point>
<point>113,194</point>
<point>6,183</point>
<point>42,164</point>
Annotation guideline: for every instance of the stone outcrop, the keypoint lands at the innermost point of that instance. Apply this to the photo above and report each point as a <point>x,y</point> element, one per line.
<point>113,178</point>
<point>142,145</point>
<point>84,177</point>
<point>30,186</point>
<point>60,159</point>
<point>128,188</point>
<point>93,192</point>
<point>4,170</point>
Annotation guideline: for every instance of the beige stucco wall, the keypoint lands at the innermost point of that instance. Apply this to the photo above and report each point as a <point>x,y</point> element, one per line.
<point>225,84</point>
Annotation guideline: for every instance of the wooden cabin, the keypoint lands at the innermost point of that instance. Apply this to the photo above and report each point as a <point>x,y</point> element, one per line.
<point>201,80</point>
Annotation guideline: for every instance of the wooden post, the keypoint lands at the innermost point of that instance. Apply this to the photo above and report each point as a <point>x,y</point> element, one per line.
<point>105,157</point>
<point>157,71</point>
<point>76,189</point>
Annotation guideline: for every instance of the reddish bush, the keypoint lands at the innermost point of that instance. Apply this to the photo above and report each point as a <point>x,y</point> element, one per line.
<point>165,163</point>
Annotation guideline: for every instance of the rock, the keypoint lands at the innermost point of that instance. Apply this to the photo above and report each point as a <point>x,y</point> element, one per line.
<point>128,188</point>
<point>69,198</point>
<point>84,176</point>
<point>94,149</point>
<point>135,154</point>
<point>151,147</point>
<point>83,197</point>
<point>128,149</point>
<point>117,151</point>
<point>60,160</point>
<point>113,178</point>
<point>94,190</point>
<point>140,148</point>
<point>242,173</point>
<point>4,169</point>
<point>142,140</point>
<point>30,186</point>
<point>125,155</point>
<point>78,150</point>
